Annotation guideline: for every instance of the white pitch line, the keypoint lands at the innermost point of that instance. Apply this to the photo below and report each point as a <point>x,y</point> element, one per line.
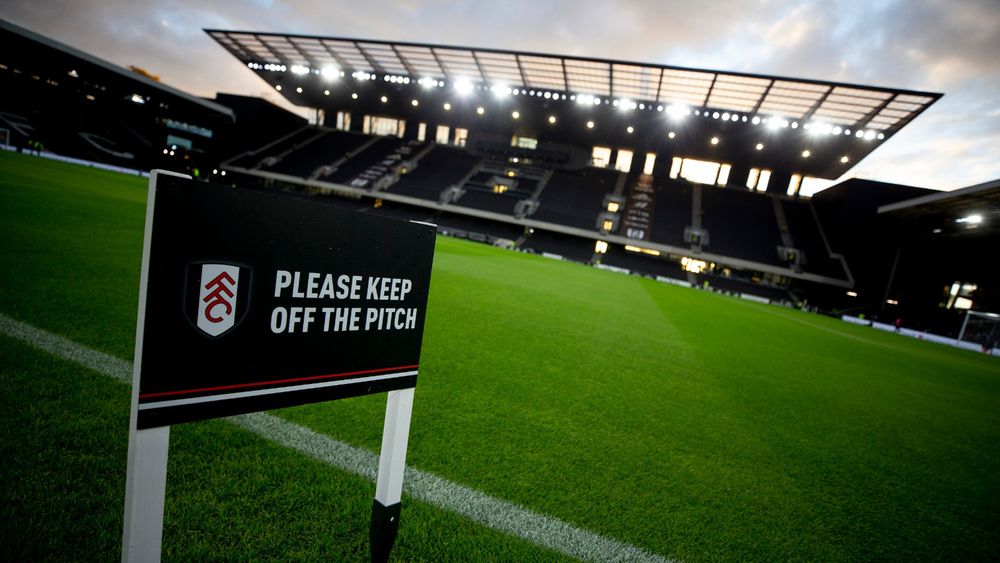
<point>538,529</point>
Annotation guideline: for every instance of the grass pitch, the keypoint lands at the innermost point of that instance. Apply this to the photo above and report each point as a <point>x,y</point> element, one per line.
<point>693,425</point>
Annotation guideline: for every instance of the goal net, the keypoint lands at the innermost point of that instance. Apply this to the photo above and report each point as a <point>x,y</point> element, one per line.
<point>983,329</point>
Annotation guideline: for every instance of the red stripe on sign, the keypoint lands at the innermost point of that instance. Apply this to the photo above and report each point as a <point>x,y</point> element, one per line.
<point>275,382</point>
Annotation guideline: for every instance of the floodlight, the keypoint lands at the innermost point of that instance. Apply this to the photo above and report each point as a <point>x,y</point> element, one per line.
<point>755,120</point>
<point>671,135</point>
<point>463,87</point>
<point>501,90</point>
<point>480,110</point>
<point>678,111</point>
<point>414,103</point>
<point>869,135</point>
<point>326,92</point>
<point>299,90</point>
<point>447,106</point>
<point>590,125</point>
<point>970,219</point>
<point>384,99</point>
<point>714,141</point>
<point>760,146</point>
<point>299,69</point>
<point>516,115</point>
<point>844,159</point>
<point>630,129</point>
<point>354,96</point>
<point>552,119</point>
<point>806,153</point>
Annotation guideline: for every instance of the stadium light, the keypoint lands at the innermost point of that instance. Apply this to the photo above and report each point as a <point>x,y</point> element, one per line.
<point>844,159</point>
<point>501,90</point>
<point>480,110</point>
<point>714,141</point>
<point>298,89</point>
<point>447,106</point>
<point>852,293</point>
<point>760,146</point>
<point>678,111</point>
<point>552,120</point>
<point>630,129</point>
<point>331,73</point>
<point>299,69</point>
<point>384,99</point>
<point>584,99</point>
<point>869,135</point>
<point>590,125</point>
<point>806,153</point>
<point>463,87</point>
<point>671,135</point>
<point>326,92</point>
<point>278,87</point>
<point>970,219</point>
<point>516,115</point>
<point>354,96</point>
<point>414,102</point>
<point>755,120</point>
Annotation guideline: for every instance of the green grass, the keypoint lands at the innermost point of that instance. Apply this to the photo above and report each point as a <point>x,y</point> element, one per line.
<point>694,425</point>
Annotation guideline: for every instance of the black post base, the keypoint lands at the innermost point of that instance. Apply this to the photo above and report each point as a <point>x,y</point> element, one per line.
<point>385,524</point>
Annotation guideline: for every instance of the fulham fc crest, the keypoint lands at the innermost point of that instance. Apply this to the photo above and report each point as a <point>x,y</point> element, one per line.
<point>217,296</point>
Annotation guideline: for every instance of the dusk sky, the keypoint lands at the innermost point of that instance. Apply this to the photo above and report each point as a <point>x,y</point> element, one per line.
<point>951,47</point>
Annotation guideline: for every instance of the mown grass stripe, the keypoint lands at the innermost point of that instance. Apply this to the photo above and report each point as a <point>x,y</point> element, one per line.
<point>539,529</point>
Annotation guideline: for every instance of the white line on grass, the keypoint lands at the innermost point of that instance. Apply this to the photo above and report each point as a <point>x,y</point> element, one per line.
<point>543,531</point>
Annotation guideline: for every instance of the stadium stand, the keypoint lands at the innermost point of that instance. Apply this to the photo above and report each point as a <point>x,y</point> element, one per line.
<point>807,236</point>
<point>673,212</point>
<point>375,157</point>
<point>575,198</point>
<point>569,247</point>
<point>741,224</point>
<point>322,148</point>
<point>438,169</point>
<point>619,257</point>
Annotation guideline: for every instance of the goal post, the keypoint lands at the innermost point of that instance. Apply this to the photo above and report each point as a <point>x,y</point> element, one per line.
<point>982,328</point>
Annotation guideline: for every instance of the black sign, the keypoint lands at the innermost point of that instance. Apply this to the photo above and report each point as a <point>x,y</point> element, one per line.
<point>258,300</point>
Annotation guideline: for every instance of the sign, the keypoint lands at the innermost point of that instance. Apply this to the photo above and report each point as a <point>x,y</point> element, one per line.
<point>639,209</point>
<point>256,301</point>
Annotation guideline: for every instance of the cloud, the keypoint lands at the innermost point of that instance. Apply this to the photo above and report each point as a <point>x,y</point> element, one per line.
<point>933,45</point>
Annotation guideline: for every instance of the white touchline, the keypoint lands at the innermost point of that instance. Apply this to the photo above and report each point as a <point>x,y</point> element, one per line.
<point>271,391</point>
<point>538,529</point>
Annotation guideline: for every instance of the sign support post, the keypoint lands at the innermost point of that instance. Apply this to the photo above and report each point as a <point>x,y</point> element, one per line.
<point>391,467</point>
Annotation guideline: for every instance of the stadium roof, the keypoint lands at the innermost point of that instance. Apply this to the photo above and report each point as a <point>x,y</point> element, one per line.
<point>840,104</point>
<point>112,70</point>
<point>971,211</point>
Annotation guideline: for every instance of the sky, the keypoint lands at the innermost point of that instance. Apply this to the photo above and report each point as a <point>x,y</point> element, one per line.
<point>952,47</point>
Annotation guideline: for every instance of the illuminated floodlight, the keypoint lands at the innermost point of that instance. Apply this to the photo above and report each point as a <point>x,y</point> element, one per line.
<point>869,135</point>
<point>847,132</point>
<point>354,96</point>
<point>330,72</point>
<point>427,82</point>
<point>516,115</point>
<point>642,106</point>
<point>725,116</point>
<point>714,141</point>
<point>299,69</point>
<point>671,135</point>
<point>414,103</point>
<point>616,103</point>
<point>547,95</point>
<point>384,99</point>
<point>480,110</point>
<point>678,111</point>
<point>880,136</point>
<point>552,120</point>
<point>630,129</point>
<point>715,115</point>
<point>584,99</point>
<point>659,108</point>
<point>597,101</point>
<point>774,123</point>
<point>299,89</point>
<point>278,87</point>
<point>859,133</point>
<point>447,106</point>
<point>735,117</point>
<point>806,153</point>
<point>755,120</point>
<point>844,159</point>
<point>795,125</point>
<point>836,130</point>
<point>501,90</point>
<point>326,92</point>
<point>590,125</point>
<point>760,146</point>
<point>852,293</point>
<point>463,87</point>
<point>970,219</point>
